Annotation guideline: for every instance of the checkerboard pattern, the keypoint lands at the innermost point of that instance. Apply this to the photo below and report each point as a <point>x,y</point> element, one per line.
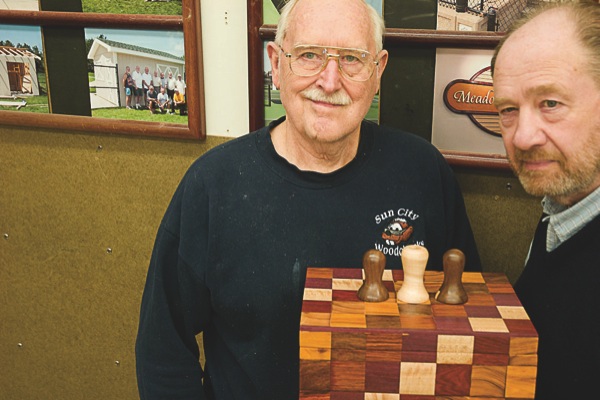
<point>350,349</point>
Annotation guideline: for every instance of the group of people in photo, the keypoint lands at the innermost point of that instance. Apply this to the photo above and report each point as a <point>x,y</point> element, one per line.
<point>157,93</point>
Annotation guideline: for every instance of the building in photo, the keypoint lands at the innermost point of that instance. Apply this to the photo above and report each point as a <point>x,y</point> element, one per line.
<point>18,74</point>
<point>110,60</point>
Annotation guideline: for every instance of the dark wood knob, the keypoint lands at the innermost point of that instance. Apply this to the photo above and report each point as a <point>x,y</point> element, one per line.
<point>372,289</point>
<point>452,290</point>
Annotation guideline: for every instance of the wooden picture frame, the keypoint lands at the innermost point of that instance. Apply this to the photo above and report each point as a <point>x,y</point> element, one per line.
<point>189,22</point>
<point>424,38</point>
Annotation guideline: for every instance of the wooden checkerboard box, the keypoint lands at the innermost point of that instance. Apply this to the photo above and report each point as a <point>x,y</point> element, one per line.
<point>350,349</point>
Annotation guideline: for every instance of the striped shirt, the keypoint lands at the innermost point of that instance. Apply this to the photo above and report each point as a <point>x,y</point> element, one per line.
<point>564,222</point>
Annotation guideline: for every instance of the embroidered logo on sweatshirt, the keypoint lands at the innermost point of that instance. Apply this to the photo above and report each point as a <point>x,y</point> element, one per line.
<point>396,230</point>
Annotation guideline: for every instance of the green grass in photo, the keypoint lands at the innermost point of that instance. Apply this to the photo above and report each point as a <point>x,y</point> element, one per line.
<point>135,115</point>
<point>139,115</point>
<point>36,104</point>
<point>157,7</point>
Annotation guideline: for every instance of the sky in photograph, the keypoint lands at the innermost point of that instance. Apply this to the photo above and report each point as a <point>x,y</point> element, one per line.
<point>22,34</point>
<point>168,41</point>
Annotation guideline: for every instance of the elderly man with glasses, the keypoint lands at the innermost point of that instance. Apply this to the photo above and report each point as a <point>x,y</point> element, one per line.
<point>318,187</point>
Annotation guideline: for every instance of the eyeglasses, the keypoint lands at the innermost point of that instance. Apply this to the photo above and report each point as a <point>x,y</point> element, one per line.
<point>309,60</point>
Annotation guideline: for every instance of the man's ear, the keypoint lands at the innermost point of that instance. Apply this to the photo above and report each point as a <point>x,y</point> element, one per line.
<point>274,53</point>
<point>383,59</point>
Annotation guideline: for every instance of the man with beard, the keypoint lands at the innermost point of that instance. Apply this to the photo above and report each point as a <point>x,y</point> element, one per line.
<point>316,188</point>
<point>547,92</point>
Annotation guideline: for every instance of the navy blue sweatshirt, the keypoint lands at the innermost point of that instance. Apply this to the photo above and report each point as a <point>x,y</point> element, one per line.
<point>244,224</point>
<point>559,291</point>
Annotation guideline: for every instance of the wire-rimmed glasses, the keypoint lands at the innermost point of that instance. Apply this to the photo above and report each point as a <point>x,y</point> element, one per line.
<point>308,60</point>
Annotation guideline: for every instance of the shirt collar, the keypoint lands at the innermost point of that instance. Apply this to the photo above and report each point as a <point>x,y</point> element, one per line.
<point>564,222</point>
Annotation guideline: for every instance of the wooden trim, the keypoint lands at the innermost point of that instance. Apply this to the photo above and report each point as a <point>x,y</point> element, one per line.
<point>92,20</point>
<point>398,36</point>
<point>476,160</point>
<point>189,22</point>
<point>256,81</point>
<point>192,37</point>
<point>395,36</point>
<point>91,124</point>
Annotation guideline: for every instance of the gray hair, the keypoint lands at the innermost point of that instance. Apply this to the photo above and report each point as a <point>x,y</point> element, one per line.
<point>376,22</point>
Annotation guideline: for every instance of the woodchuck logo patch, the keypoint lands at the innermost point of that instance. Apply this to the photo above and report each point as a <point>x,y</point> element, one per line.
<point>397,231</point>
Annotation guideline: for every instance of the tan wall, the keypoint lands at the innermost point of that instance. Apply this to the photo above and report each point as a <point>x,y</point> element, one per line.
<point>69,306</point>
<point>503,218</point>
<point>69,302</point>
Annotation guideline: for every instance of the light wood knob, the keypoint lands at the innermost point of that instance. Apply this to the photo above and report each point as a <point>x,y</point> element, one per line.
<point>414,262</point>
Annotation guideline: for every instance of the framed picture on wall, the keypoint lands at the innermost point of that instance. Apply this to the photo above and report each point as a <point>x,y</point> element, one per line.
<point>117,56</point>
<point>164,36</point>
<point>22,69</point>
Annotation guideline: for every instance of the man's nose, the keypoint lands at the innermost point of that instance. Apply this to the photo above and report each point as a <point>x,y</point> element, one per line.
<point>330,77</point>
<point>530,131</point>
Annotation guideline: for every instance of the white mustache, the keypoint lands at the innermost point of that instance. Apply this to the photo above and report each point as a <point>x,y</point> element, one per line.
<point>339,98</point>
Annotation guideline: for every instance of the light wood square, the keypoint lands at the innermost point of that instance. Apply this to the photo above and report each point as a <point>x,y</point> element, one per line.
<point>346,284</point>
<point>417,378</point>
<point>455,349</point>
<point>382,396</point>
<point>488,325</point>
<point>318,294</point>
<point>512,312</point>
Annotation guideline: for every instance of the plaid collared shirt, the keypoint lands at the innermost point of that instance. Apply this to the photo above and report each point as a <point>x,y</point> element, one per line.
<point>564,222</point>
